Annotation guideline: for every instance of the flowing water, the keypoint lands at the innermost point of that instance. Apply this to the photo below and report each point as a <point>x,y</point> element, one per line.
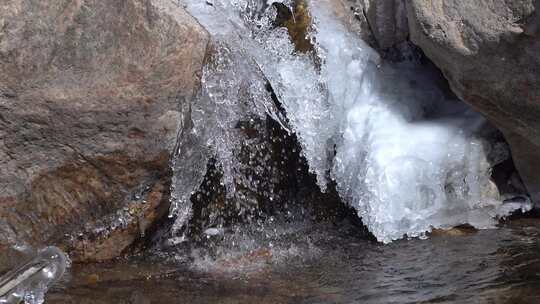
<point>328,264</point>
<point>405,155</point>
<point>409,159</point>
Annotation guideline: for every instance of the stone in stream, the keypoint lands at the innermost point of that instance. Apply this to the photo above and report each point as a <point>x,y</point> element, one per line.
<point>256,168</point>
<point>92,95</point>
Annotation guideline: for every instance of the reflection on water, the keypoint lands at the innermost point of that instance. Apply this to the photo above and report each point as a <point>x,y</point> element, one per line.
<point>328,265</point>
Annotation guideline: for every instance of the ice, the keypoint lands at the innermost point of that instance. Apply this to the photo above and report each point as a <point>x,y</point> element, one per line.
<point>409,159</point>
<point>401,152</point>
<point>30,281</point>
<point>233,90</point>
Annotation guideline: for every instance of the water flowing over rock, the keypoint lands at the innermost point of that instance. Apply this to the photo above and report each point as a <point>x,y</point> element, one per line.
<point>490,53</point>
<point>402,153</point>
<point>107,107</point>
<point>92,95</point>
<point>232,101</point>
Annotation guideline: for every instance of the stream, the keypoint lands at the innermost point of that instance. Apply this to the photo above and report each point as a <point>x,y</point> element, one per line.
<point>327,264</point>
<point>385,138</point>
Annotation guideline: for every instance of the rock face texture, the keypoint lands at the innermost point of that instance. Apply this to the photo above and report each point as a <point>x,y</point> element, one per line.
<point>381,23</point>
<point>353,13</point>
<point>489,50</point>
<point>388,22</point>
<point>92,95</point>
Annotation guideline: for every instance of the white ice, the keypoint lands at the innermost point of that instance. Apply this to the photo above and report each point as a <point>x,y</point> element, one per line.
<point>404,155</point>
<point>408,159</point>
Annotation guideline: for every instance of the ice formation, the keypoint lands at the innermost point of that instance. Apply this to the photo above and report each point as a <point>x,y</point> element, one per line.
<point>233,90</point>
<point>29,282</point>
<point>408,159</point>
<point>403,154</point>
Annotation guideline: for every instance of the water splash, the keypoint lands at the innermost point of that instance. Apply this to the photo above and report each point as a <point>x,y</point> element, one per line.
<point>252,248</point>
<point>234,90</point>
<point>406,156</point>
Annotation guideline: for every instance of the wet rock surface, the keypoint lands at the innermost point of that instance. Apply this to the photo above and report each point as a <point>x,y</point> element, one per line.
<point>388,22</point>
<point>382,24</point>
<point>353,13</point>
<point>489,52</point>
<point>91,98</point>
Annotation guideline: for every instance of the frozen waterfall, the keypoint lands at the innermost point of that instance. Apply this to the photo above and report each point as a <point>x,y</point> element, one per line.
<point>403,154</point>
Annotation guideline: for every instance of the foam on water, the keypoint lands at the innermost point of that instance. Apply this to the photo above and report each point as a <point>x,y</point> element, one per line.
<point>402,153</point>
<point>250,248</point>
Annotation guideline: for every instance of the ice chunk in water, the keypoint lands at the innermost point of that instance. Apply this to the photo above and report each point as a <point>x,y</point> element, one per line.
<point>29,282</point>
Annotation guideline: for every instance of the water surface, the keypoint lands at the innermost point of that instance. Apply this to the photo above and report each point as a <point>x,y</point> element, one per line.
<point>327,264</point>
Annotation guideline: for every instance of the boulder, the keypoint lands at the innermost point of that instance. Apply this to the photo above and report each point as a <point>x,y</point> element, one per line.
<point>489,50</point>
<point>92,96</point>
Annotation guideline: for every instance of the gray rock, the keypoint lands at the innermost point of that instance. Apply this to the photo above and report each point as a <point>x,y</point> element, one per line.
<point>489,50</point>
<point>388,22</point>
<point>91,98</point>
<point>380,23</point>
<point>353,14</point>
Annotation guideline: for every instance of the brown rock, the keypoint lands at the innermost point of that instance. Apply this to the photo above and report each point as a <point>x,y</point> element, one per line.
<point>91,99</point>
<point>489,50</point>
<point>455,231</point>
<point>107,238</point>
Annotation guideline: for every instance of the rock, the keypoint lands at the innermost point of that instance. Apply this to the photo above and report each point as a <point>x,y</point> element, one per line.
<point>382,24</point>
<point>388,22</point>
<point>92,95</point>
<point>455,231</point>
<point>527,160</point>
<point>489,50</point>
<point>297,23</point>
<point>353,14</point>
<point>107,238</point>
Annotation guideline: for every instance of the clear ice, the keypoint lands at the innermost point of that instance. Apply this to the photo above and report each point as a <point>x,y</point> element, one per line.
<point>233,90</point>
<point>403,154</point>
<point>29,282</point>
